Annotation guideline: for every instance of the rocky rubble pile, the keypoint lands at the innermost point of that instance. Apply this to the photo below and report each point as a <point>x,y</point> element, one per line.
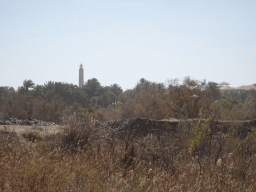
<point>137,127</point>
<point>14,121</point>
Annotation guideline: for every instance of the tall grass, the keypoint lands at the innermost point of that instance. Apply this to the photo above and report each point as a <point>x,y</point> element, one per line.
<point>81,159</point>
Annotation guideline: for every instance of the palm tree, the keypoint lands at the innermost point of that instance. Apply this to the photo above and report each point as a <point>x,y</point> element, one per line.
<point>28,84</point>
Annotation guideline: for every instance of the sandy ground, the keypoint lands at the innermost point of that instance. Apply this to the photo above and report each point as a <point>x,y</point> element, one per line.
<point>43,130</point>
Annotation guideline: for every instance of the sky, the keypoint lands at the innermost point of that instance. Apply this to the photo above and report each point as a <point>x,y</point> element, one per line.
<point>122,41</point>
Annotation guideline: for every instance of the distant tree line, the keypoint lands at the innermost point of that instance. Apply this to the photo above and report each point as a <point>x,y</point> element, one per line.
<point>48,101</point>
<point>189,99</point>
<point>147,99</point>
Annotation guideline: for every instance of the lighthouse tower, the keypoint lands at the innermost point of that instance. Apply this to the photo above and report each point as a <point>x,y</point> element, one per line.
<point>81,76</point>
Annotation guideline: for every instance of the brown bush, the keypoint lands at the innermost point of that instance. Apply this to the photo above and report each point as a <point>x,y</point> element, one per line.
<point>238,110</point>
<point>187,160</point>
<point>32,136</point>
<point>178,101</point>
<point>19,106</point>
<point>25,106</point>
<point>129,101</point>
<point>107,114</point>
<point>190,97</point>
<point>152,104</point>
<point>253,104</point>
<point>176,162</point>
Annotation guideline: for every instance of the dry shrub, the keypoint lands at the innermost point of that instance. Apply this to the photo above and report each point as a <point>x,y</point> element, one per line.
<point>8,136</point>
<point>253,104</point>
<point>191,159</point>
<point>129,102</point>
<point>2,115</point>
<point>19,106</point>
<point>177,101</point>
<point>32,136</point>
<point>49,111</point>
<point>189,98</point>
<point>231,106</point>
<point>25,106</point>
<point>37,128</point>
<point>152,104</point>
<point>108,114</point>
<point>74,139</point>
<point>243,112</point>
<point>246,110</point>
<point>77,132</point>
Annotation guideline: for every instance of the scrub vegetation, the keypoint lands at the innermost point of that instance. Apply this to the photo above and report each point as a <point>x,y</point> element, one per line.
<point>82,158</point>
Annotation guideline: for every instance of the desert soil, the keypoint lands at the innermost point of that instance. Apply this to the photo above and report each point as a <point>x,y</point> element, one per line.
<point>42,130</point>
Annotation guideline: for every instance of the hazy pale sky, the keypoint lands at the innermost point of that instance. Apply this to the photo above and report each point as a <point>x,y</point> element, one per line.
<point>121,41</point>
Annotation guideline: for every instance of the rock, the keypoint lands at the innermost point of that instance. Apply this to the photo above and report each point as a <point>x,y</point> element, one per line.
<point>29,122</point>
<point>137,127</point>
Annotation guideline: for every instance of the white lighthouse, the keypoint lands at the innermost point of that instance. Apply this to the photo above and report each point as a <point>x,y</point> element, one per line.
<point>81,76</point>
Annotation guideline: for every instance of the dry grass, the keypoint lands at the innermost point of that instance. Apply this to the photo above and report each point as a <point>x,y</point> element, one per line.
<point>80,160</point>
<point>44,130</point>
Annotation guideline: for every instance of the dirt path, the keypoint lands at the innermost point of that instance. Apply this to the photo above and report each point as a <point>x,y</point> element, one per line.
<point>43,130</point>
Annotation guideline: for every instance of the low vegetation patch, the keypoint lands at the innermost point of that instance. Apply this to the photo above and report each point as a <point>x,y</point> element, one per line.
<point>32,136</point>
<point>115,141</point>
<point>82,159</point>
